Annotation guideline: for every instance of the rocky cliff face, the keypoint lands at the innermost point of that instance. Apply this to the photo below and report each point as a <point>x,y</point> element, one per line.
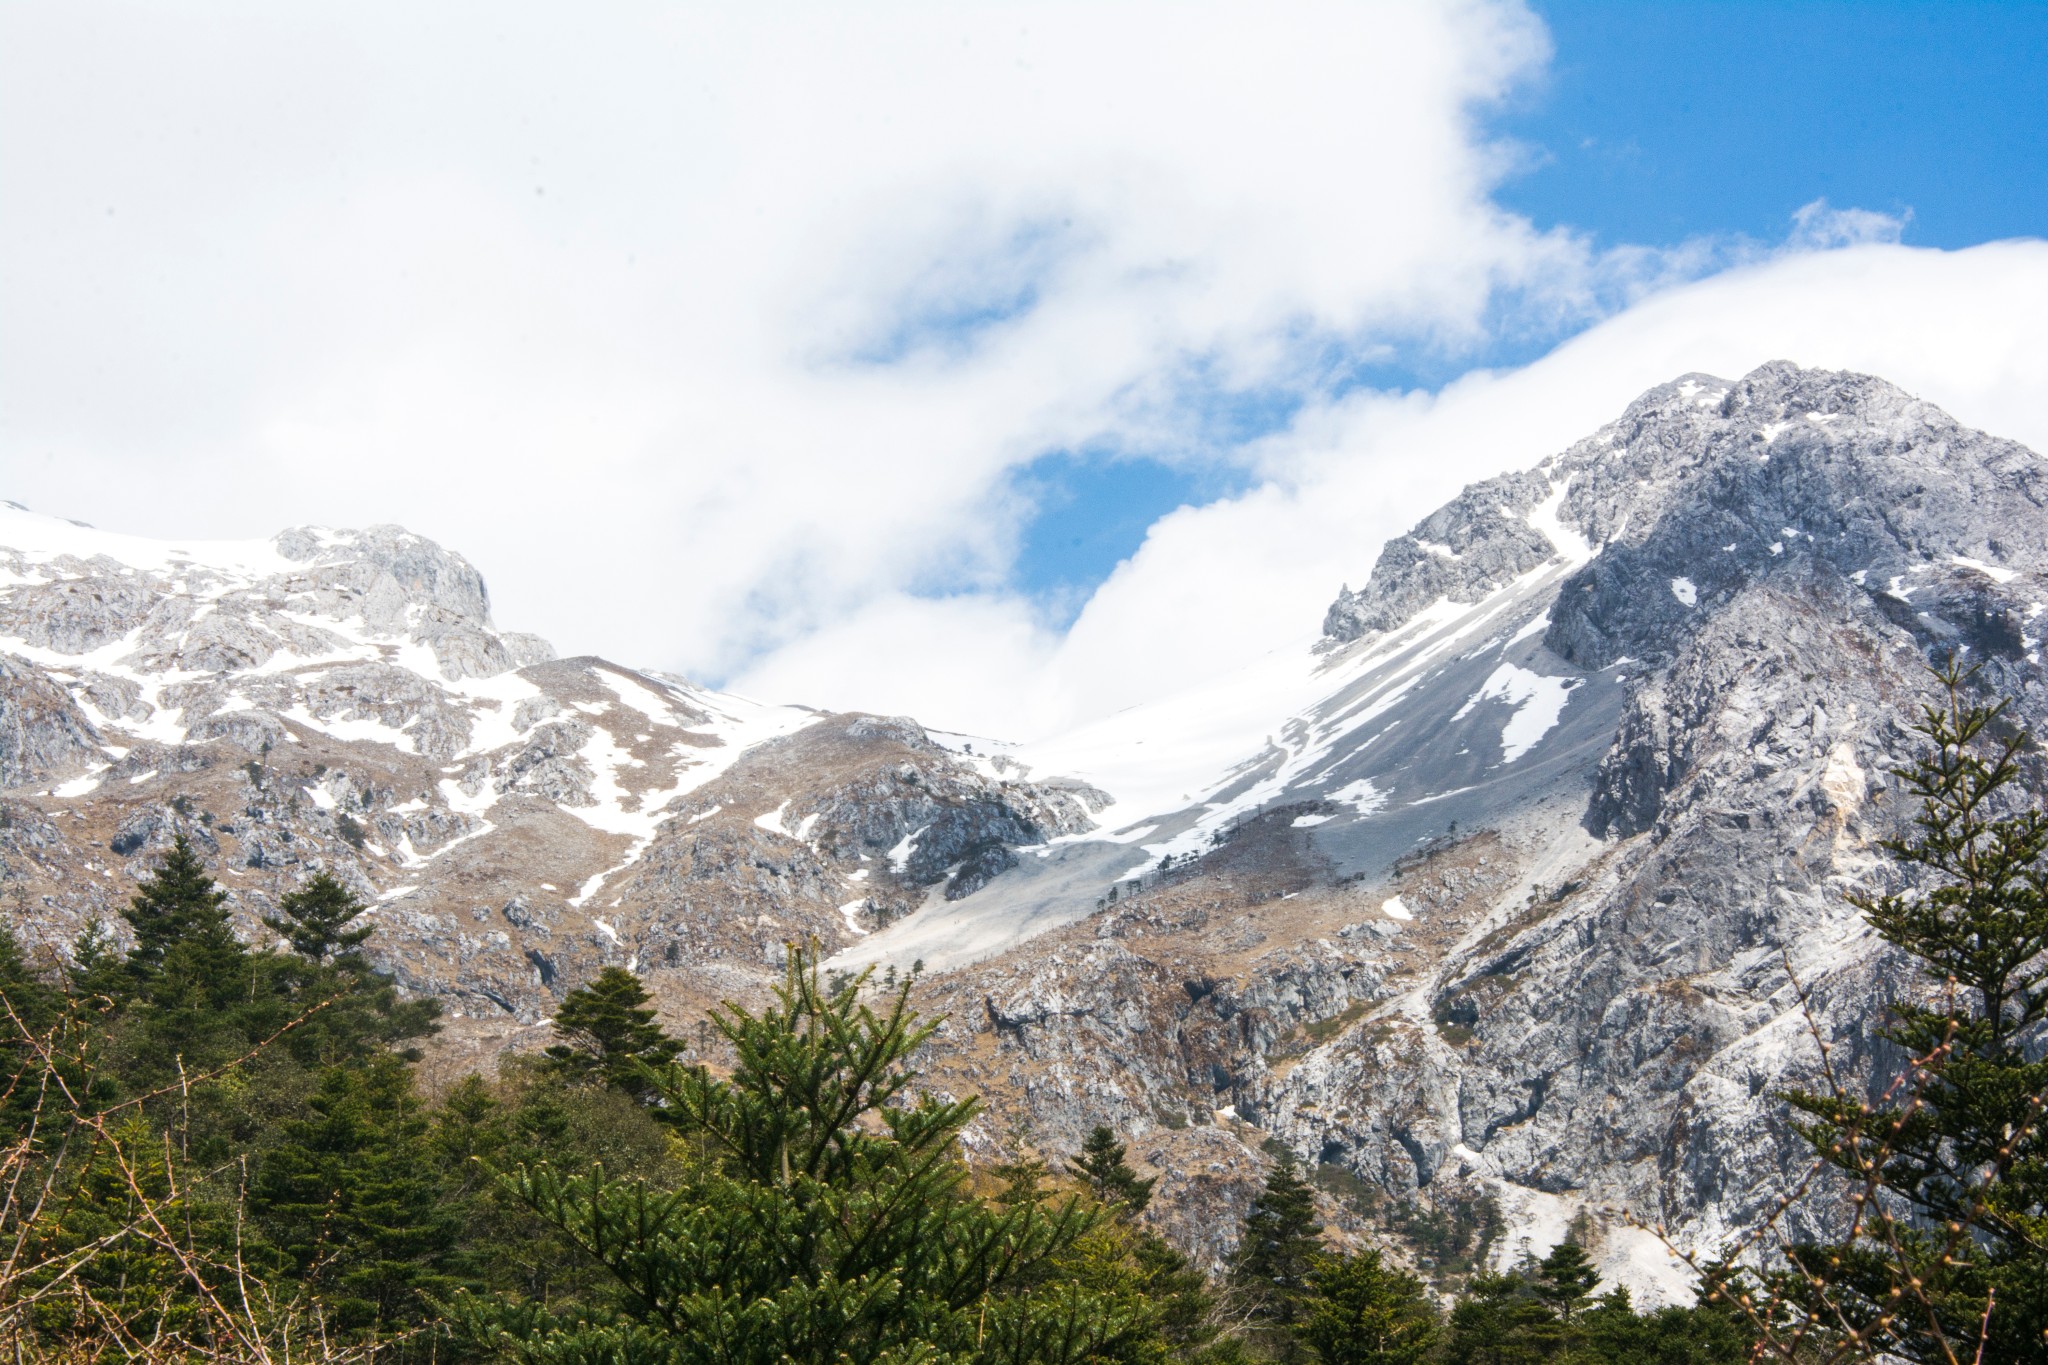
<point>1607,744</point>
<point>1519,909</point>
<point>343,701</point>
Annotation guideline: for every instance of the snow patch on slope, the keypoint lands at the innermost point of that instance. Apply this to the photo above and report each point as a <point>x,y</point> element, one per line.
<point>1538,703</point>
<point>1544,520</point>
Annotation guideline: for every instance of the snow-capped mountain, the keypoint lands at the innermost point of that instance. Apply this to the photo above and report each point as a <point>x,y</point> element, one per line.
<point>343,700</point>
<point>1507,883</point>
<point>1480,675</point>
<point>1517,876</point>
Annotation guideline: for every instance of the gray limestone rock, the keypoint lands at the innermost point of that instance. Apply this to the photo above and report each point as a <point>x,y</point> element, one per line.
<point>1479,541</point>
<point>44,736</point>
<point>550,765</point>
<point>114,698</point>
<point>1775,563</point>
<point>396,699</point>
<point>254,732</point>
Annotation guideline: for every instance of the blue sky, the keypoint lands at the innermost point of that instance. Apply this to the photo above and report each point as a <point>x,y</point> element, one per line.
<point>1665,121</point>
<point>1660,123</point>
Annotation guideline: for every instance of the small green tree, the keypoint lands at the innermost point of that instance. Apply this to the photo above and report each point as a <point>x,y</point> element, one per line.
<point>30,1011</point>
<point>1022,1181</point>
<point>194,997</point>
<point>1184,1305</point>
<point>314,919</point>
<point>526,1117</point>
<point>829,1221</point>
<point>1609,1329</point>
<point>1276,1252</point>
<point>177,906</point>
<point>1565,1279</point>
<point>123,1254</point>
<point>1501,1321</point>
<point>1101,1165</point>
<point>1361,1311</point>
<point>609,1036</point>
<point>28,1003</point>
<point>1158,1282</point>
<point>96,976</point>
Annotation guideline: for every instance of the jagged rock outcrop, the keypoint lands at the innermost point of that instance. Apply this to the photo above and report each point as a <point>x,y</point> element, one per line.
<point>1640,760</point>
<point>342,701</point>
<point>1476,543</point>
<point>43,733</point>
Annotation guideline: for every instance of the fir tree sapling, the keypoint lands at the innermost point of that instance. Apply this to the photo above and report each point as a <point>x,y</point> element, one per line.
<point>1361,1311</point>
<point>314,919</point>
<point>1565,1279</point>
<point>609,1035</point>
<point>1276,1252</point>
<point>1101,1165</point>
<point>178,908</point>
<point>96,975</point>
<point>352,1197</point>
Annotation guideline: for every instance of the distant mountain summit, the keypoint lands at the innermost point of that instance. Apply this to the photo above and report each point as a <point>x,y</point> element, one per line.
<point>342,700</point>
<point>1703,487</point>
<point>1506,889</point>
<point>1513,889</point>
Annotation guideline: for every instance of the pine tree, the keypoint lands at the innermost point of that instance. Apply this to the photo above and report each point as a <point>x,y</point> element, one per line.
<point>1565,1278</point>
<point>352,1197</point>
<point>347,1011</point>
<point>1185,1307</point>
<point>1101,1165</point>
<point>314,918</point>
<point>1277,1248</point>
<point>1963,1145</point>
<point>28,1005</point>
<point>1609,1329</point>
<point>1156,1280</point>
<point>1500,1321</point>
<point>529,1117</point>
<point>124,1254</point>
<point>30,1012</point>
<point>1022,1181</point>
<point>178,905</point>
<point>194,997</point>
<point>608,1035</point>
<point>830,1220</point>
<point>1360,1311</point>
<point>193,1001</point>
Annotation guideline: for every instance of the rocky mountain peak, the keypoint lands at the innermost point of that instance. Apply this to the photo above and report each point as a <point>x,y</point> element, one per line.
<point>342,701</point>
<point>222,608</point>
<point>1703,488</point>
<point>1703,485</point>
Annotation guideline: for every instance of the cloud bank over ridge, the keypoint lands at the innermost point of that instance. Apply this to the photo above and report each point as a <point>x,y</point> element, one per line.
<point>713,336</point>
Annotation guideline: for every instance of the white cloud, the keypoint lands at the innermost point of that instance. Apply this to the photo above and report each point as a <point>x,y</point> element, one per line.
<point>1215,588</point>
<point>1818,226</point>
<point>599,299</point>
<point>710,332</point>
